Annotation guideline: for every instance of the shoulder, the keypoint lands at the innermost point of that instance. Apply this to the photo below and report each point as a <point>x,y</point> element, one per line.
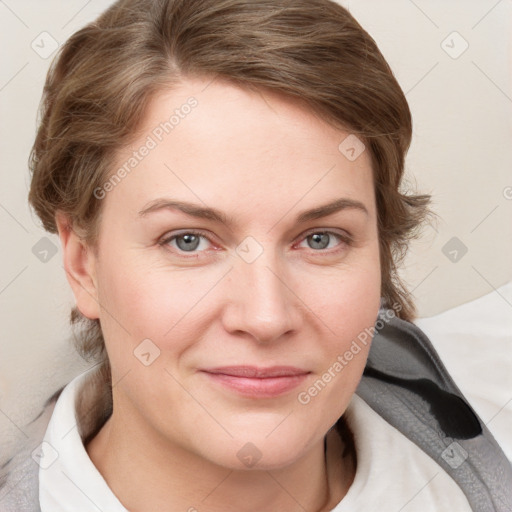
<point>88,404</point>
<point>392,467</point>
<point>407,385</point>
<point>19,475</point>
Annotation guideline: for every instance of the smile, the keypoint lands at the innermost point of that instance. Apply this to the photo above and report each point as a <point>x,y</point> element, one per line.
<point>258,382</point>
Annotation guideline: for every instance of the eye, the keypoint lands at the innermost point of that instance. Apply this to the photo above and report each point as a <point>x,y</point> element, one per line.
<point>187,241</point>
<point>320,240</point>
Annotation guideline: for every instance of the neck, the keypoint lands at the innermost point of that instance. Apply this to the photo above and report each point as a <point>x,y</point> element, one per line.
<point>147,472</point>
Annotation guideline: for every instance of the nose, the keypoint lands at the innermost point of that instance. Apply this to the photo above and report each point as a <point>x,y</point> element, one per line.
<point>261,301</point>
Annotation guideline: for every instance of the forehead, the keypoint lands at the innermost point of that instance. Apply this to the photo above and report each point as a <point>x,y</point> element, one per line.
<point>216,143</point>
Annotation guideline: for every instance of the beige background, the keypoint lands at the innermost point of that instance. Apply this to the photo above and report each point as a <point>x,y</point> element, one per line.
<point>461,154</point>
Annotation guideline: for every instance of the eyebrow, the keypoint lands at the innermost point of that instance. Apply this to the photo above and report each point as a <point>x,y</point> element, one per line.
<point>213,214</point>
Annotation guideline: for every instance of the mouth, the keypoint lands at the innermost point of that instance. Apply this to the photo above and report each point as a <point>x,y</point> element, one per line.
<point>252,381</point>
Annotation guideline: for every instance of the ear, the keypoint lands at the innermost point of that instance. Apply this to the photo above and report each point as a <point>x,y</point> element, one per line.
<point>79,263</point>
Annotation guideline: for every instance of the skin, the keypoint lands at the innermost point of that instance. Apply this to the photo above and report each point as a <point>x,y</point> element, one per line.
<point>173,438</point>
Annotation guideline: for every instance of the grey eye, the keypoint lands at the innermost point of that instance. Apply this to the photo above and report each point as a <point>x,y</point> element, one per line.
<point>188,242</point>
<point>319,240</point>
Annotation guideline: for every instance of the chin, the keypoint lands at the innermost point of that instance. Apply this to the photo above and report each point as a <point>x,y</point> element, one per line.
<point>259,450</point>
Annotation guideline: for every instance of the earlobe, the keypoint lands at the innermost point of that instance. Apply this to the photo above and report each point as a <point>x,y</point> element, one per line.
<point>79,264</point>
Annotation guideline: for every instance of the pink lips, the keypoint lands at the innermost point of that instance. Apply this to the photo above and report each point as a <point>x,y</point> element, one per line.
<point>258,382</point>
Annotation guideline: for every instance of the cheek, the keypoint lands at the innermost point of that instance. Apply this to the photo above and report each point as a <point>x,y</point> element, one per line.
<point>131,302</point>
<point>350,309</point>
<point>348,306</point>
<point>359,301</point>
<point>142,302</point>
<point>353,319</point>
<point>348,299</point>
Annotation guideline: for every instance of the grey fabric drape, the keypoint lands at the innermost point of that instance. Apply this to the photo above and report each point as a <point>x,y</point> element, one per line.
<point>406,383</point>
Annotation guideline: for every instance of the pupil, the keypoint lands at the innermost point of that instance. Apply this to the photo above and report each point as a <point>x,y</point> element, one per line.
<point>190,242</point>
<point>320,240</point>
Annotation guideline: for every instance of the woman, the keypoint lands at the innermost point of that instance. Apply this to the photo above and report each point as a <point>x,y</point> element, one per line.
<point>225,178</point>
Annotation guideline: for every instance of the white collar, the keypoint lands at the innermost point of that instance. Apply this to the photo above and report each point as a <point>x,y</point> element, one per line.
<point>68,479</point>
<point>393,473</point>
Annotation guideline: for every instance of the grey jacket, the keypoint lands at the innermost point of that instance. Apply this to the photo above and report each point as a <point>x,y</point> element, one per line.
<point>405,382</point>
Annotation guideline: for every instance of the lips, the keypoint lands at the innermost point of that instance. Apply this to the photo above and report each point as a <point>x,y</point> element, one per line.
<point>255,382</point>
<point>256,372</point>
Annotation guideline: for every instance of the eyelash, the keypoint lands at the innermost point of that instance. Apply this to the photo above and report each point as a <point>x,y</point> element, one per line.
<point>345,238</point>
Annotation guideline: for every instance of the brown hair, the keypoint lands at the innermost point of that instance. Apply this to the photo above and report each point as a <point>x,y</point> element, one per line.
<point>314,51</point>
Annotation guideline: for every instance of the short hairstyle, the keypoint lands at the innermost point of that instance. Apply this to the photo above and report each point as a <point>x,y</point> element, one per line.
<point>100,84</point>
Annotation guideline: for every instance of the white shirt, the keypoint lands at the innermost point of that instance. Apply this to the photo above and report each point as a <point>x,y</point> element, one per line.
<point>392,474</point>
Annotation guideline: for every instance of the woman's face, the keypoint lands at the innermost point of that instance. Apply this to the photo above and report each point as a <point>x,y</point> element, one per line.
<point>249,272</point>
